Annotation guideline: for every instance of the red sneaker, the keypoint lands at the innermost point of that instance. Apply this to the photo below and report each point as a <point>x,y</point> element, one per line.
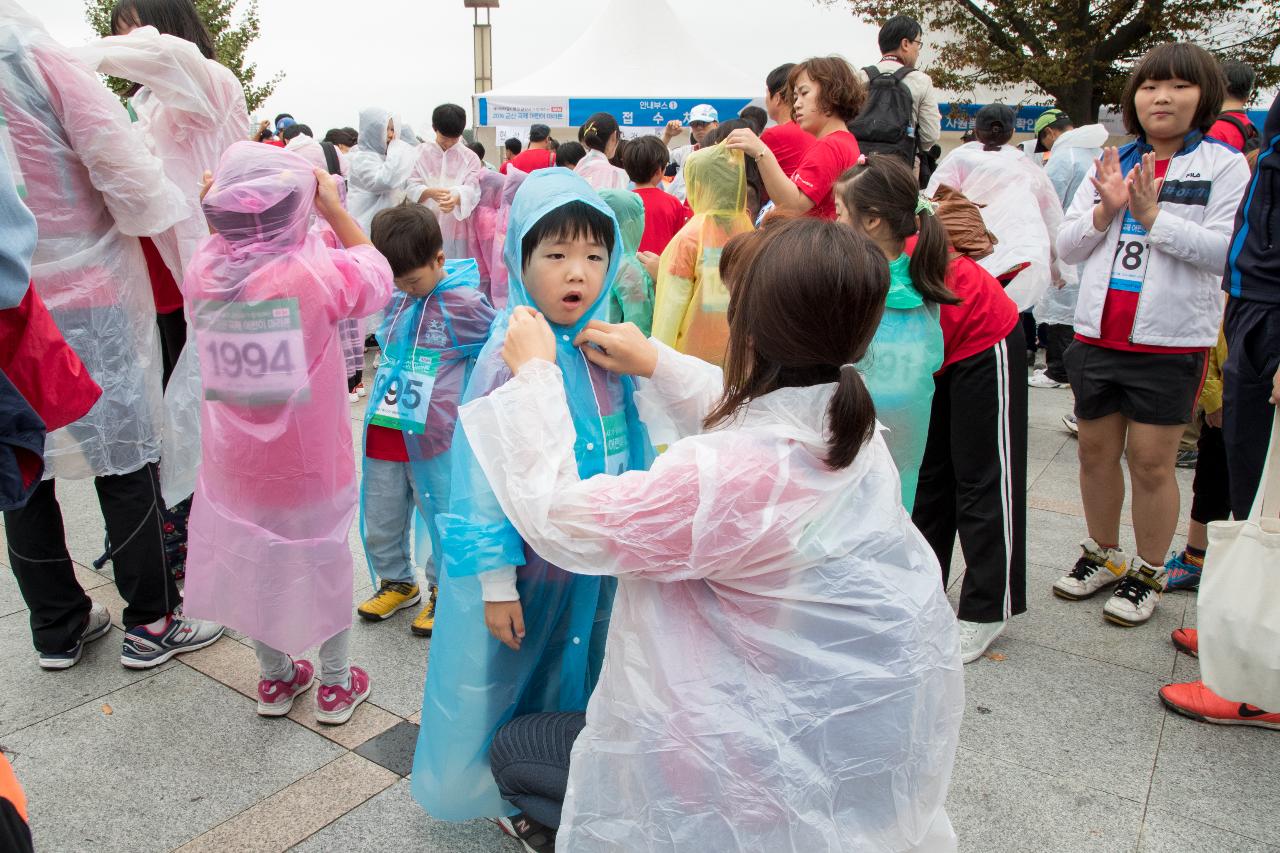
<point>275,698</point>
<point>335,704</point>
<point>1192,699</point>
<point>1187,640</point>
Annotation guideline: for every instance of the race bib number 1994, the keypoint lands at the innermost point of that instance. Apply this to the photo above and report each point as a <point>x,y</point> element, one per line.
<point>252,353</point>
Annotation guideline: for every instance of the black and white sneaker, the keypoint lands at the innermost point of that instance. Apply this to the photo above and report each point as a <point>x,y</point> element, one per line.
<point>143,649</point>
<point>1137,595</point>
<point>535,837</point>
<point>96,626</point>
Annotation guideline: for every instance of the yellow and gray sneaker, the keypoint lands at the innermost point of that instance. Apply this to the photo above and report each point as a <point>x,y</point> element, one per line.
<point>1098,569</point>
<point>391,597</point>
<point>1136,597</point>
<point>426,621</point>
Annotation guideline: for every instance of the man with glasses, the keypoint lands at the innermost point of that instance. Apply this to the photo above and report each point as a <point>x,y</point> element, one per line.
<point>901,40</point>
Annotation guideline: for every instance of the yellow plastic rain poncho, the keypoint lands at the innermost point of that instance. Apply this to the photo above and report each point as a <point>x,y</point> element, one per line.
<point>691,304</point>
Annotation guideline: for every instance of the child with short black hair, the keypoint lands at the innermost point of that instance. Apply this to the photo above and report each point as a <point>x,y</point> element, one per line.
<point>435,325</point>
<point>646,162</point>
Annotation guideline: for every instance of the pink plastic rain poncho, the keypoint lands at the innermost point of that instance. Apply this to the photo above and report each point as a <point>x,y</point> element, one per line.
<point>596,170</point>
<point>90,182</point>
<point>484,224</point>
<point>276,493</point>
<point>782,669</point>
<point>499,280</point>
<point>190,110</point>
<point>1019,206</point>
<point>458,170</point>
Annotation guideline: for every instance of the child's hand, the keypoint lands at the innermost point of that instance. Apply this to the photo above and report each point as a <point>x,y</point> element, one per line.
<point>1144,191</point>
<point>528,337</point>
<point>328,202</point>
<point>649,260</point>
<point>619,349</point>
<point>1110,184</point>
<point>206,183</point>
<point>448,202</point>
<point>505,620</point>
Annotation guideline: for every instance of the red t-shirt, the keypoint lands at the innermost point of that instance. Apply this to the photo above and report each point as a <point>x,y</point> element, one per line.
<point>385,443</point>
<point>531,160</point>
<point>664,216</point>
<point>1123,294</point>
<point>823,163</point>
<point>1225,131</point>
<point>789,144</point>
<point>163,288</point>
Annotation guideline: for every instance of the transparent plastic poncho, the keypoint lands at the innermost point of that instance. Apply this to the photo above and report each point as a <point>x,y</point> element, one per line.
<point>457,170</point>
<point>498,287</point>
<point>632,300</point>
<point>597,171</point>
<point>691,303</point>
<point>91,183</point>
<point>1070,164</point>
<point>474,683</point>
<point>378,171</point>
<point>782,669</point>
<point>268,552</point>
<point>898,369</point>
<point>429,348</point>
<point>1018,205</point>
<point>484,225</point>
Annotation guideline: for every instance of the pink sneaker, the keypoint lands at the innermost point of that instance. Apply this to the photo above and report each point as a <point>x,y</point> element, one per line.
<point>335,704</point>
<point>275,698</point>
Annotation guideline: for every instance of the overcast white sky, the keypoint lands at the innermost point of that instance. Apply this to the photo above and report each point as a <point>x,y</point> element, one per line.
<point>409,55</point>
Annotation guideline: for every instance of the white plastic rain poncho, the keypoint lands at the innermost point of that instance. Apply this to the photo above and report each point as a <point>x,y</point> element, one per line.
<point>1070,163</point>
<point>475,684</point>
<point>1019,207</point>
<point>377,171</point>
<point>190,110</point>
<point>898,368</point>
<point>276,493</point>
<point>457,170</point>
<point>90,182</point>
<point>782,670</point>
<point>632,300</point>
<point>596,170</point>
<point>691,303</point>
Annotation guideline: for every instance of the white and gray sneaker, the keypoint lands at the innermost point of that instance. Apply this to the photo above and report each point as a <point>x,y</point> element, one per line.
<point>96,626</point>
<point>975,637</point>
<point>144,649</point>
<point>1135,599</point>
<point>1040,379</point>
<point>1096,570</point>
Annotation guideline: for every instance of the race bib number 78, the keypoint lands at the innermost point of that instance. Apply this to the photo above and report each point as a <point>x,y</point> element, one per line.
<point>1129,269</point>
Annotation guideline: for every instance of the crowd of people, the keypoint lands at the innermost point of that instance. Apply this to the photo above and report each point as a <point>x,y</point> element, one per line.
<point>667,449</point>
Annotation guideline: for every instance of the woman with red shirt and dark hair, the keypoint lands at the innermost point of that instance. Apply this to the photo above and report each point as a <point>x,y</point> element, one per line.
<point>825,95</point>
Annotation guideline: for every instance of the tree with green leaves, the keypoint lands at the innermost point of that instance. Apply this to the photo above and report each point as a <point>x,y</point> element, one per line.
<point>1079,52</point>
<point>230,39</point>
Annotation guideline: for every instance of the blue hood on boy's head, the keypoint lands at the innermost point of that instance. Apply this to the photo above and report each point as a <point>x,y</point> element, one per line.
<point>542,192</point>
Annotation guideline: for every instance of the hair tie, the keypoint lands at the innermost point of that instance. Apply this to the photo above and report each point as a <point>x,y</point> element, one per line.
<point>925,205</point>
<point>850,365</point>
<point>861,161</point>
<point>589,129</point>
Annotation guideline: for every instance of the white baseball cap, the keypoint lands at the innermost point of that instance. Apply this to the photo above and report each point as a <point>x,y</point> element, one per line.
<point>704,112</point>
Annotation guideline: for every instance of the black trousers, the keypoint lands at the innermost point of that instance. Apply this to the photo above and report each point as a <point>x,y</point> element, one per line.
<point>530,762</point>
<point>973,480</point>
<point>38,553</point>
<point>173,338</point>
<point>1253,354</point>
<point>1058,336</point>
<point>1211,488</point>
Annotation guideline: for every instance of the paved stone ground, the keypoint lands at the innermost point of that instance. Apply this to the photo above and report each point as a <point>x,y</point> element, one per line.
<point>1065,745</point>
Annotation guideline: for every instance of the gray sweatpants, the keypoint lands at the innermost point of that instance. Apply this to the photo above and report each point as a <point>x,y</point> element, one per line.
<point>335,660</point>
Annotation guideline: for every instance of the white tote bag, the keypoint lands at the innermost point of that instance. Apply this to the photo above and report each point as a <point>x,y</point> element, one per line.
<point>1239,603</point>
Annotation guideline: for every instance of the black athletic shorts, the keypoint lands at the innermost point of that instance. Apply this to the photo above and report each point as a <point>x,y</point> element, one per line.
<point>1154,388</point>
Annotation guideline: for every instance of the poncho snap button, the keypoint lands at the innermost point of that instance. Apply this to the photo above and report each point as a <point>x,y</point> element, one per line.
<point>576,641</point>
<point>590,446</point>
<point>564,337</point>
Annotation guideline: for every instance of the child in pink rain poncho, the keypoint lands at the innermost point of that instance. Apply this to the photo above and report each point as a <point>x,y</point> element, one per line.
<point>276,493</point>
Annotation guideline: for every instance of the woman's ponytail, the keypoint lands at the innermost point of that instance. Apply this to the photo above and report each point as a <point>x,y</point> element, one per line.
<point>851,418</point>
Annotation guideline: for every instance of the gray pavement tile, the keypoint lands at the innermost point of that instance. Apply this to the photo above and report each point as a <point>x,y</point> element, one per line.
<point>45,694</point>
<point>1077,627</point>
<point>1046,442</point>
<point>1224,776</point>
<point>997,806</point>
<point>395,659</point>
<point>393,749</point>
<point>1053,538</point>
<point>177,754</point>
<point>393,822</point>
<point>1167,832</point>
<point>10,597</point>
<point>1091,723</point>
<point>82,518</point>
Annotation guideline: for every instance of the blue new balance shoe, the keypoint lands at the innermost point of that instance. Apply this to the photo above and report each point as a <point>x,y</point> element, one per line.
<point>1181,574</point>
<point>144,649</point>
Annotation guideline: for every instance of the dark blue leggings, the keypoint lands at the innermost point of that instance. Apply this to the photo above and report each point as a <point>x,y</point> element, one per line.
<point>530,762</point>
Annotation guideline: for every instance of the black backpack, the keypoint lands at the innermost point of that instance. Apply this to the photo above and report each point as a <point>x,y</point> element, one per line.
<point>1252,139</point>
<point>886,123</point>
<point>330,157</point>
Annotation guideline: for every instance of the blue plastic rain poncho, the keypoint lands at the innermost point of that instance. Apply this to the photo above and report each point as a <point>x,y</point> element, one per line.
<point>898,369</point>
<point>1070,163</point>
<point>783,670</point>
<point>429,347</point>
<point>632,300</point>
<point>474,683</point>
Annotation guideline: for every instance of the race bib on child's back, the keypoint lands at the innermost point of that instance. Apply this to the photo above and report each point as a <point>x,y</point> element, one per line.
<point>1129,268</point>
<point>252,353</point>
<point>402,389</point>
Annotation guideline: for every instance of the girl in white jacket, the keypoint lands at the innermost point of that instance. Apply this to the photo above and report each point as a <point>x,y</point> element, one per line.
<point>1150,230</point>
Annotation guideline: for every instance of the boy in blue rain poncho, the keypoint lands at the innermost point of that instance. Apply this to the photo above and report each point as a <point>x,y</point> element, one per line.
<point>562,254</point>
<point>434,328</point>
